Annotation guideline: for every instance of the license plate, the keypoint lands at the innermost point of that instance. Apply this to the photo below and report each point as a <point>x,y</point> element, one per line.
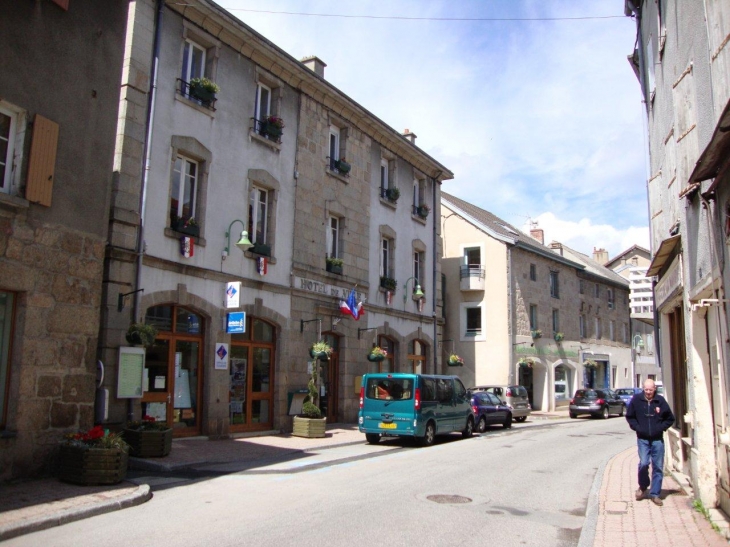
<point>584,407</point>
<point>387,426</point>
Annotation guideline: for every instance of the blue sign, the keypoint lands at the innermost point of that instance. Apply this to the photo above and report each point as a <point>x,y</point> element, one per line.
<point>236,322</point>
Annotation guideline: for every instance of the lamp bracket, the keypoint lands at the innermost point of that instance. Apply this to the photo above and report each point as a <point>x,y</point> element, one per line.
<point>121,297</point>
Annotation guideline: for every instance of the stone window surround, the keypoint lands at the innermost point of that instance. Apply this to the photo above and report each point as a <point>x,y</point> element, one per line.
<point>193,149</point>
<point>386,232</point>
<point>212,48</point>
<point>344,129</point>
<point>16,148</point>
<point>333,208</point>
<point>263,179</point>
<point>262,77</point>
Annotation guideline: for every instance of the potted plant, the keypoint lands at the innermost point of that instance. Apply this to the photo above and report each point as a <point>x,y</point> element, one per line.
<point>187,226</point>
<point>590,364</point>
<point>526,362</point>
<point>342,166</point>
<point>320,350</point>
<point>388,283</point>
<point>423,210</point>
<point>377,354</point>
<point>141,334</point>
<point>455,361</point>
<point>148,438</point>
<point>93,457</point>
<point>310,423</point>
<point>392,194</point>
<point>273,127</point>
<point>536,333</point>
<point>334,265</point>
<point>203,89</point>
<point>558,336</point>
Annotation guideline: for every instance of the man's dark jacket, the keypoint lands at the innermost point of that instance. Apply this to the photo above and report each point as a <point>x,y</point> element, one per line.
<point>650,419</point>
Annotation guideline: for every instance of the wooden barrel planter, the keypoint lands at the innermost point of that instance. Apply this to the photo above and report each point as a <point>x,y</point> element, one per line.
<point>309,427</point>
<point>149,443</point>
<point>90,466</point>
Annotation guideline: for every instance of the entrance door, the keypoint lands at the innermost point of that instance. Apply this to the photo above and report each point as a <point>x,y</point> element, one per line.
<point>173,369</point>
<point>330,371</point>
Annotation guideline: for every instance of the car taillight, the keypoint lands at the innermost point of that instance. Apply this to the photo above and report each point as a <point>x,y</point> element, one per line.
<point>572,401</point>
<point>417,398</point>
<point>362,397</point>
<point>475,409</point>
<point>600,401</point>
<point>508,393</point>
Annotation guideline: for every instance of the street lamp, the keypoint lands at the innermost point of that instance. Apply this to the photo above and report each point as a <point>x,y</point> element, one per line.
<point>417,292</point>
<point>243,243</point>
<point>638,345</point>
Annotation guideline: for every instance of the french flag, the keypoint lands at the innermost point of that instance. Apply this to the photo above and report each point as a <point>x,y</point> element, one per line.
<point>352,306</point>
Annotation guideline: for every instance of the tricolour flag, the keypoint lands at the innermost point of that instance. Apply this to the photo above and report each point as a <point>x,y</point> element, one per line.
<point>351,306</point>
<point>187,247</point>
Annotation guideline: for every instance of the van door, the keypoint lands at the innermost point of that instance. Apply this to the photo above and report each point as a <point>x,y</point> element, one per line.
<point>462,405</point>
<point>446,408</point>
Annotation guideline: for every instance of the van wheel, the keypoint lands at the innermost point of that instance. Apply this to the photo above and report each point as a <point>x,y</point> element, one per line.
<point>429,436</point>
<point>469,431</point>
<point>507,422</point>
<point>482,425</point>
<point>372,438</point>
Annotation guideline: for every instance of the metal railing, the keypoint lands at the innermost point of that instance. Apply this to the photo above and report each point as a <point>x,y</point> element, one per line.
<point>472,270</point>
<point>261,128</point>
<point>186,91</point>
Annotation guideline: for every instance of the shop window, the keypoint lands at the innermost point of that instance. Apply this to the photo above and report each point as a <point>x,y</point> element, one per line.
<point>389,345</point>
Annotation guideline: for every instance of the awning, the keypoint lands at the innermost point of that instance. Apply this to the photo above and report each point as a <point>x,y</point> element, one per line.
<point>662,255</point>
<point>715,153</point>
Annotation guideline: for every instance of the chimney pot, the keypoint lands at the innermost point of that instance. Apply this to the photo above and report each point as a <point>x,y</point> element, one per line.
<point>537,233</point>
<point>315,64</point>
<point>410,136</point>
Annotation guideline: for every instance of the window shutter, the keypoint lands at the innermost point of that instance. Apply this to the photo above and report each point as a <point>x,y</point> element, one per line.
<point>41,165</point>
<point>63,4</point>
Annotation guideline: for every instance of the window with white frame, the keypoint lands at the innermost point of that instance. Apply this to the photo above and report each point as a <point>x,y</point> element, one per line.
<point>533,317</point>
<point>193,62</point>
<point>582,325</point>
<point>473,321</point>
<point>333,237</point>
<point>199,60</point>
<point>258,215</point>
<point>384,176</point>
<point>650,343</point>
<point>183,195</point>
<point>334,146</point>
<point>612,330</point>
<point>386,254</point>
<point>419,194</point>
<point>263,106</point>
<point>418,267</point>
<point>8,129</point>
<point>610,298</point>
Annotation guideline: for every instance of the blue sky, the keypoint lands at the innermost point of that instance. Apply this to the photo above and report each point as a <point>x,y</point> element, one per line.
<point>538,120</point>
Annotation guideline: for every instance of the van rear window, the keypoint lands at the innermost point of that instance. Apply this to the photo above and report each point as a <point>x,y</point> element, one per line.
<point>389,389</point>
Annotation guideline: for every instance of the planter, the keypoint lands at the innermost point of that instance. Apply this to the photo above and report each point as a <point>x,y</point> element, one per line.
<point>261,249</point>
<point>334,268</point>
<point>392,194</point>
<point>92,465</point>
<point>203,95</point>
<point>343,167</point>
<point>422,211</point>
<point>191,230</point>
<point>321,355</point>
<point>388,283</point>
<point>272,131</point>
<point>310,428</point>
<point>148,444</point>
<point>455,363</point>
<point>375,358</point>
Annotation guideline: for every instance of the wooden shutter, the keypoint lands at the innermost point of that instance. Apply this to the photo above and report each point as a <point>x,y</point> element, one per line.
<point>63,4</point>
<point>39,187</point>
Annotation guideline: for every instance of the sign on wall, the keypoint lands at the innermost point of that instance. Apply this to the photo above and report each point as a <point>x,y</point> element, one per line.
<point>233,294</point>
<point>130,372</point>
<point>221,356</point>
<point>236,322</point>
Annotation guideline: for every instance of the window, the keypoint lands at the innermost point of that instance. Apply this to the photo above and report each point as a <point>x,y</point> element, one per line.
<point>610,296</point>
<point>554,285</point>
<point>263,105</point>
<point>582,325</point>
<point>533,317</point>
<point>199,60</point>
<point>597,328</point>
<point>8,123</point>
<point>625,334</point>
<point>597,290</point>
<point>650,343</point>
<point>386,250</point>
<point>389,345</point>
<point>183,193</point>
<point>7,301</point>
<point>419,190</point>
<point>581,286</point>
<point>473,321</point>
<point>611,330</point>
<point>334,147</point>
<point>418,266</point>
<point>533,272</point>
<point>650,86</point>
<point>333,238</point>
<point>556,321</point>
<point>193,63</point>
<point>384,176</point>
<point>258,212</point>
<point>417,357</point>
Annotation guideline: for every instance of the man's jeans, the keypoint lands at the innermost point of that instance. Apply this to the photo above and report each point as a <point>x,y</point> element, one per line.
<point>654,451</point>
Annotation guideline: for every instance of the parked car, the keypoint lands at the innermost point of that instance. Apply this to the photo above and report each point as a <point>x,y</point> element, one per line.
<point>659,388</point>
<point>489,410</point>
<point>515,397</point>
<point>599,403</point>
<point>626,393</point>
<point>413,405</point>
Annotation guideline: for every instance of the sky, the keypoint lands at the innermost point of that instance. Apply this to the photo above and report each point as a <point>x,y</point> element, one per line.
<point>538,115</point>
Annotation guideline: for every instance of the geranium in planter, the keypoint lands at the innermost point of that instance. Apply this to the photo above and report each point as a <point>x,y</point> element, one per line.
<point>203,89</point>
<point>148,438</point>
<point>536,333</point>
<point>273,127</point>
<point>342,166</point>
<point>423,210</point>
<point>377,354</point>
<point>320,350</point>
<point>455,361</point>
<point>558,336</point>
<point>141,334</point>
<point>93,457</point>
<point>187,226</point>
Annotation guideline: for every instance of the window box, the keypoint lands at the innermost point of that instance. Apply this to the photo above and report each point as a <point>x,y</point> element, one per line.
<point>392,194</point>
<point>261,249</point>
<point>272,128</point>
<point>203,89</point>
<point>343,167</point>
<point>422,211</point>
<point>185,226</point>
<point>334,265</point>
<point>388,283</point>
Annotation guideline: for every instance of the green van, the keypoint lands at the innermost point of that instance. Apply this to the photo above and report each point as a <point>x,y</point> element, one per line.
<point>413,405</point>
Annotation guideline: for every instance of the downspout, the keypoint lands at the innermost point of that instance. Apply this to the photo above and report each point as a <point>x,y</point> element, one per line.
<point>435,271</point>
<point>149,122</point>
<point>511,317</point>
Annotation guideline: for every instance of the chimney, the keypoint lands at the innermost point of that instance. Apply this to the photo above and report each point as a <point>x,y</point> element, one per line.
<point>600,256</point>
<point>557,247</point>
<point>315,64</point>
<point>410,136</point>
<point>537,233</point>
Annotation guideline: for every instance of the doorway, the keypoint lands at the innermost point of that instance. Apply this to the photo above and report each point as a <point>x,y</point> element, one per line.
<point>329,395</point>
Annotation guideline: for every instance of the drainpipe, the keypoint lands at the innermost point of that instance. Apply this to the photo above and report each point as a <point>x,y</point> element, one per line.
<point>149,122</point>
<point>435,271</point>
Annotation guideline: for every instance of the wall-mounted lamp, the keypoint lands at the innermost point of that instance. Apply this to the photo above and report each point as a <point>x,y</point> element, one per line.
<point>243,243</point>
<point>417,292</point>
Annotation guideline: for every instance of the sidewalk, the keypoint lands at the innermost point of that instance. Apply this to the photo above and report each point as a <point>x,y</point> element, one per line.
<point>613,517</point>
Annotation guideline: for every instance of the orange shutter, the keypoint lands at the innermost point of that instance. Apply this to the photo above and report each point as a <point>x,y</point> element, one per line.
<point>62,3</point>
<point>39,187</point>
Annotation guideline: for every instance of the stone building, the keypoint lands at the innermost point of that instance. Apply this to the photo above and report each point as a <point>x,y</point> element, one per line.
<point>682,60</point>
<point>519,311</point>
<point>271,205</point>
<point>61,63</point>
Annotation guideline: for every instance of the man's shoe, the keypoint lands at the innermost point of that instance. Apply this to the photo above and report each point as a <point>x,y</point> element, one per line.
<point>640,494</point>
<point>657,501</point>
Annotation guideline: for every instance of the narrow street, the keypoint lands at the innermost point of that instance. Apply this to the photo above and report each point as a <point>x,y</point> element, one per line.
<point>525,486</point>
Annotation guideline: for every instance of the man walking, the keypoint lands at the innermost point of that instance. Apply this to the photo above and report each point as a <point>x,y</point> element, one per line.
<point>650,416</point>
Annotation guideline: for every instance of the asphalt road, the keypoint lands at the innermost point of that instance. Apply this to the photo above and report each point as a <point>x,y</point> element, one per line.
<point>516,487</point>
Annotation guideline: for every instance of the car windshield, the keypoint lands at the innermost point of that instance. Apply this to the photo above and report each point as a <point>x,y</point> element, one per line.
<point>586,393</point>
<point>625,391</point>
<point>392,389</point>
<point>518,391</point>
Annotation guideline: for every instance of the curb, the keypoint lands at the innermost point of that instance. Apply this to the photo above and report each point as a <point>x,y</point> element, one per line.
<point>64,516</point>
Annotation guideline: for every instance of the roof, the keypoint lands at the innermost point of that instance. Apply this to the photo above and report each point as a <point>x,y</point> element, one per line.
<point>634,249</point>
<point>595,268</point>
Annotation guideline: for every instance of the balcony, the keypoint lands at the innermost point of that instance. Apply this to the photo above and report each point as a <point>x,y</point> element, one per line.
<point>472,277</point>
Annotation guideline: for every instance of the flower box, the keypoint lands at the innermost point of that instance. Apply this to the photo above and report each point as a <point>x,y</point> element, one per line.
<point>261,249</point>
<point>148,444</point>
<point>273,131</point>
<point>88,466</point>
<point>422,211</point>
<point>388,283</point>
<point>334,265</point>
<point>342,166</point>
<point>392,194</point>
<point>184,227</point>
<point>321,355</point>
<point>536,333</point>
<point>309,428</point>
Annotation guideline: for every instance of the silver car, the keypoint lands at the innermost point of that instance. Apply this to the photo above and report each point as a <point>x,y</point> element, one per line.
<point>515,397</point>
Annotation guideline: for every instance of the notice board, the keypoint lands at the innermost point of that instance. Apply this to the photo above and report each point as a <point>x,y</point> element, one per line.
<point>130,373</point>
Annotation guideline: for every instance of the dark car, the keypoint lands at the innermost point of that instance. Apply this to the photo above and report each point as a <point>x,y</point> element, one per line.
<point>489,410</point>
<point>626,393</point>
<point>599,403</point>
<point>515,397</point>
